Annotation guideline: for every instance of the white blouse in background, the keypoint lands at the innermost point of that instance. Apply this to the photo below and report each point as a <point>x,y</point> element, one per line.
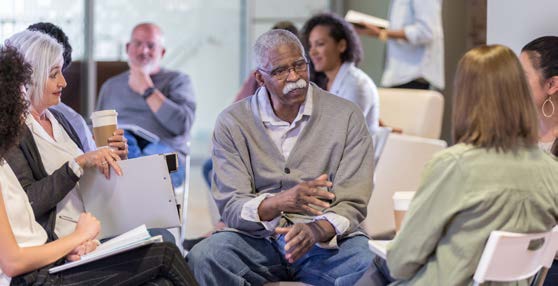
<point>55,153</point>
<point>422,55</point>
<point>26,230</point>
<point>354,85</point>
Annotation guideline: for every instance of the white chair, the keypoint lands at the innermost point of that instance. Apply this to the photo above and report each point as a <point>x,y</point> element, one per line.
<point>380,139</point>
<point>511,256</point>
<point>417,112</point>
<point>181,194</point>
<point>400,169</point>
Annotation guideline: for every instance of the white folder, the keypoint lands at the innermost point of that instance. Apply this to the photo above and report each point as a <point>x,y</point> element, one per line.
<point>142,195</point>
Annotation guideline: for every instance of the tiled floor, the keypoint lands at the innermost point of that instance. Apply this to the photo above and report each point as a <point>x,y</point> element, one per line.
<point>198,220</point>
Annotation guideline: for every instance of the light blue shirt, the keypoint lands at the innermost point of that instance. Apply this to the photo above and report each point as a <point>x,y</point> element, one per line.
<point>422,56</point>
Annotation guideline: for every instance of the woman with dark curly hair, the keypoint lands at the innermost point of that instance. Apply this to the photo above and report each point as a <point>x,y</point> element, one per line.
<point>26,255</point>
<point>335,51</point>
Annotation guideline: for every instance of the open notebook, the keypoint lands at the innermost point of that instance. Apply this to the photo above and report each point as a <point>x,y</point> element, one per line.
<point>379,247</point>
<point>134,238</point>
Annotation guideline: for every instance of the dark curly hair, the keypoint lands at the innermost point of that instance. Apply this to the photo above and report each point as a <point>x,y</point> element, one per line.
<point>286,25</point>
<point>339,29</point>
<point>57,33</point>
<point>14,73</point>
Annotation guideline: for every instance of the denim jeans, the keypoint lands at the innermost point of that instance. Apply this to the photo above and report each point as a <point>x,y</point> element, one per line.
<point>230,258</point>
<point>135,151</point>
<point>207,170</point>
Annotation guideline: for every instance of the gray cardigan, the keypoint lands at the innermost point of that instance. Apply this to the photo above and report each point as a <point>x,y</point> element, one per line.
<point>335,141</point>
<point>44,191</point>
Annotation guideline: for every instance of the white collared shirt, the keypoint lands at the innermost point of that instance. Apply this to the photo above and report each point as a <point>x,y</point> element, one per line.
<point>55,152</point>
<point>284,136</point>
<point>422,55</point>
<point>26,230</point>
<point>283,133</point>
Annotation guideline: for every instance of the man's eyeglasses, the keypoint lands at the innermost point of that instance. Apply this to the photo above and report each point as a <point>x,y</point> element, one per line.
<point>139,44</point>
<point>281,73</point>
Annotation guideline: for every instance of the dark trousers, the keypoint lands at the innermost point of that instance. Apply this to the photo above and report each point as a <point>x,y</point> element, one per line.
<point>415,84</point>
<point>155,264</point>
<point>552,275</point>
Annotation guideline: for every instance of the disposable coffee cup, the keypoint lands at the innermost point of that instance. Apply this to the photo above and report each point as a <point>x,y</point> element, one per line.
<point>104,125</point>
<point>401,203</point>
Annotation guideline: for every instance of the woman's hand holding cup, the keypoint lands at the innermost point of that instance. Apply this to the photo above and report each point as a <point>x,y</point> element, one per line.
<point>119,143</point>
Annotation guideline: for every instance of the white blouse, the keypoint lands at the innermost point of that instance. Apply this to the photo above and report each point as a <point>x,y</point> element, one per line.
<point>422,55</point>
<point>55,153</point>
<point>354,85</point>
<point>26,230</point>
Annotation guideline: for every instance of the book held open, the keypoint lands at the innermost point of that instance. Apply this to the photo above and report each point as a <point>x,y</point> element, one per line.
<point>355,17</point>
<point>132,239</point>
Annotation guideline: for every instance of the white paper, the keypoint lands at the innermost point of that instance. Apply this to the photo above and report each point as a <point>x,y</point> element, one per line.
<point>357,17</point>
<point>127,241</point>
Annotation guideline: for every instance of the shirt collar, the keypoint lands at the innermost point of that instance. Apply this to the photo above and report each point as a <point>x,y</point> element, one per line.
<point>266,110</point>
<point>341,74</point>
<point>36,127</point>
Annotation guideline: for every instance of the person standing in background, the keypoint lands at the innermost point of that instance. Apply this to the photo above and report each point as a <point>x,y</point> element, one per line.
<point>415,44</point>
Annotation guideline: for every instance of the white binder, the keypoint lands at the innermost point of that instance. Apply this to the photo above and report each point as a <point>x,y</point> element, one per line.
<point>142,195</point>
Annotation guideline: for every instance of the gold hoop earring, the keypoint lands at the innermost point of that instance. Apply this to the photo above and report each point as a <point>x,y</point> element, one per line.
<point>551,105</point>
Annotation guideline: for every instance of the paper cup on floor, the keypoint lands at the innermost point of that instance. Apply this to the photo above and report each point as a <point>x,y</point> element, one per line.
<point>401,203</point>
<point>104,125</point>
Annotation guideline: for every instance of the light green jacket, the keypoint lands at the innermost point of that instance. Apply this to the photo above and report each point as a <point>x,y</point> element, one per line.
<point>467,192</point>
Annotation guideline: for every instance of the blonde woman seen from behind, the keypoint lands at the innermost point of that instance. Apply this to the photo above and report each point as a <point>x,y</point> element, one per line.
<point>494,178</point>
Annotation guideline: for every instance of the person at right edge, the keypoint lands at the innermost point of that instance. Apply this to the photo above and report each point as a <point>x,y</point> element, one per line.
<point>415,44</point>
<point>539,59</point>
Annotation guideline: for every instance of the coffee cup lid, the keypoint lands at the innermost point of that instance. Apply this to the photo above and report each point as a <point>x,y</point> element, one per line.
<point>108,112</point>
<point>403,195</point>
<point>402,200</point>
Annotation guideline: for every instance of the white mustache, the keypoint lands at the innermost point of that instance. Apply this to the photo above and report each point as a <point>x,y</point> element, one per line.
<point>290,86</point>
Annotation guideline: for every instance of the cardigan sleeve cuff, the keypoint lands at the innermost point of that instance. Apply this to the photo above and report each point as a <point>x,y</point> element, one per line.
<point>250,212</point>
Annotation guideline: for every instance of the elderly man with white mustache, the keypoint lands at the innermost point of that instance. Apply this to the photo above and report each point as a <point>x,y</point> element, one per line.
<point>293,176</point>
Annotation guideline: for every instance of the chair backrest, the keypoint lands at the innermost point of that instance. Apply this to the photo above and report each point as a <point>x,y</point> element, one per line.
<point>182,193</point>
<point>510,256</point>
<point>380,139</point>
<point>399,170</point>
<point>417,112</point>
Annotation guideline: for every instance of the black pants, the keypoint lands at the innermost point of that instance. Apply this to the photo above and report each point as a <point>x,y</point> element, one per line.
<point>155,264</point>
<point>415,84</point>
